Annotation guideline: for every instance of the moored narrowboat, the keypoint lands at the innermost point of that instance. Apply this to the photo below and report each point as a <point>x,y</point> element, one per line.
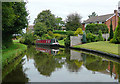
<point>47,42</point>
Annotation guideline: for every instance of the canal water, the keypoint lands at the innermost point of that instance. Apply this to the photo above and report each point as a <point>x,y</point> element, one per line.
<point>46,64</point>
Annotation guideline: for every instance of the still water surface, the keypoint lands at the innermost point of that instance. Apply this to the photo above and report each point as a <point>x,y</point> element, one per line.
<point>45,64</point>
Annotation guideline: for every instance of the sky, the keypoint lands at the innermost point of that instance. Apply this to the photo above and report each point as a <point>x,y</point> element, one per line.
<point>62,8</point>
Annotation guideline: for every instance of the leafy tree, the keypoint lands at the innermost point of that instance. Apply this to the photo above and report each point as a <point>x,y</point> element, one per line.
<point>59,23</point>
<point>111,31</point>
<point>14,19</point>
<point>84,38</point>
<point>73,21</point>
<point>116,37</point>
<point>47,18</point>
<point>100,38</point>
<point>78,31</point>
<point>40,29</point>
<point>92,15</point>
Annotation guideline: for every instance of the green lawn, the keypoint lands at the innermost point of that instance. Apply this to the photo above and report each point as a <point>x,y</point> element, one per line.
<point>61,42</point>
<point>101,46</point>
<point>12,52</point>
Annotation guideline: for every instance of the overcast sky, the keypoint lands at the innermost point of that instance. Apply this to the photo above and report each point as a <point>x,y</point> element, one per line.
<point>62,8</point>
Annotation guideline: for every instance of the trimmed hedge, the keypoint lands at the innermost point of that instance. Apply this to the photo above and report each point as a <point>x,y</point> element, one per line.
<point>61,32</point>
<point>94,28</point>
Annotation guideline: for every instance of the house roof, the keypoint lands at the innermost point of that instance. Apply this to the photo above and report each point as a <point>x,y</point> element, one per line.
<point>101,18</point>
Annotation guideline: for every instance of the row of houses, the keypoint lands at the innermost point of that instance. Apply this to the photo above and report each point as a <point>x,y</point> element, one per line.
<point>103,19</point>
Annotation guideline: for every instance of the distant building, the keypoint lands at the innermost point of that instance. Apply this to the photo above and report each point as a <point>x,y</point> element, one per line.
<point>30,27</point>
<point>103,19</point>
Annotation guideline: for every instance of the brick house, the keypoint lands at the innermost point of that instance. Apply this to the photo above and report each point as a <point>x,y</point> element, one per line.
<point>103,19</point>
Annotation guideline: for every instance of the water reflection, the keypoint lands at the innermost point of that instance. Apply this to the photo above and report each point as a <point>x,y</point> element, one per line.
<point>46,64</point>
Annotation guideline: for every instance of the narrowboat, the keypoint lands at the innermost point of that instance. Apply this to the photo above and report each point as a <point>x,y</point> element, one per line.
<point>47,42</point>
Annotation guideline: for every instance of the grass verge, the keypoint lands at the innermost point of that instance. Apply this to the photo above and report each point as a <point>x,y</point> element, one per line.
<point>12,52</point>
<point>104,46</point>
<point>61,42</point>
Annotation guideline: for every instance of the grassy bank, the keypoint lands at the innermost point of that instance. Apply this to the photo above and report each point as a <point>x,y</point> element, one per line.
<point>101,46</point>
<point>12,52</point>
<point>61,42</point>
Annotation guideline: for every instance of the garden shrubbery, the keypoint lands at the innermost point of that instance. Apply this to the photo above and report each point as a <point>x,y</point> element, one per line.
<point>91,37</point>
<point>67,40</point>
<point>94,28</point>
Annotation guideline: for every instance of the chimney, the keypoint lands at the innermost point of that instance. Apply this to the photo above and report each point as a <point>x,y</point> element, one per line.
<point>115,11</point>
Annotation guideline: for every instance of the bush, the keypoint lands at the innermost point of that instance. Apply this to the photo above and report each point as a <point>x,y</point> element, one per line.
<point>91,38</point>
<point>84,38</point>
<point>116,37</point>
<point>28,38</point>
<point>50,33</point>
<point>100,38</point>
<point>78,31</point>
<point>62,32</point>
<point>67,40</point>
<point>94,28</point>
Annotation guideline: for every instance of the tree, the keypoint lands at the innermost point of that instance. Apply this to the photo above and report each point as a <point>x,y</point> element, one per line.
<point>100,38</point>
<point>59,23</point>
<point>40,29</point>
<point>116,37</point>
<point>92,15</point>
<point>47,18</point>
<point>14,19</point>
<point>78,31</point>
<point>73,21</point>
<point>111,31</point>
<point>84,38</point>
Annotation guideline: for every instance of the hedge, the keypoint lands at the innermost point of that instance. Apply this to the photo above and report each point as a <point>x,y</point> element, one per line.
<point>94,28</point>
<point>61,32</point>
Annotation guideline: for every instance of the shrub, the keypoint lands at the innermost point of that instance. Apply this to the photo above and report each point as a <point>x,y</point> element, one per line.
<point>67,40</point>
<point>111,31</point>
<point>100,38</point>
<point>91,38</point>
<point>78,31</point>
<point>84,38</point>
<point>116,37</point>
<point>94,28</point>
<point>50,33</point>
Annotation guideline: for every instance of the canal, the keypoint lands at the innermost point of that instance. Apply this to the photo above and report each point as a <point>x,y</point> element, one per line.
<point>45,64</point>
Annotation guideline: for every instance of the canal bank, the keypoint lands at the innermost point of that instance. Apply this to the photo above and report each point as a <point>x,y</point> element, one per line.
<point>103,48</point>
<point>46,64</point>
<point>12,53</point>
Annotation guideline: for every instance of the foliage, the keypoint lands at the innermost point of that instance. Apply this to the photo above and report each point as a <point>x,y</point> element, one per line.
<point>50,33</point>
<point>78,31</point>
<point>58,23</point>
<point>116,37</point>
<point>29,38</point>
<point>111,31</point>
<point>67,40</point>
<point>40,29</point>
<point>84,38</point>
<point>14,19</point>
<point>94,28</point>
<point>59,36</point>
<point>73,21</point>
<point>61,32</point>
<point>92,15</point>
<point>100,38</point>
<point>12,52</point>
<point>45,36</point>
<point>47,18</point>
<point>91,38</point>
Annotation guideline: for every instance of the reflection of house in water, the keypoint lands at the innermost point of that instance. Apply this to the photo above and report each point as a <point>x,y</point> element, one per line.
<point>47,49</point>
<point>75,55</point>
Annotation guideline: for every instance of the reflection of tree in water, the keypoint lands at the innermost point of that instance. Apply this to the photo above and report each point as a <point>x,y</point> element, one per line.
<point>17,75</point>
<point>46,64</point>
<point>117,69</point>
<point>73,65</point>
